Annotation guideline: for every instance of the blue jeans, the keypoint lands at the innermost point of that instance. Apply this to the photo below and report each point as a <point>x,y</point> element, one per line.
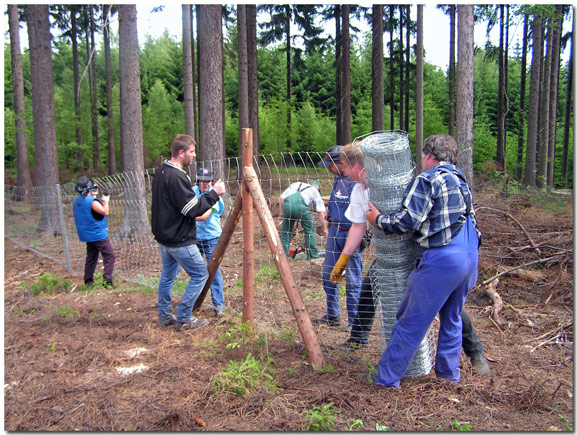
<point>206,247</point>
<point>189,258</point>
<point>353,277</point>
<point>439,284</point>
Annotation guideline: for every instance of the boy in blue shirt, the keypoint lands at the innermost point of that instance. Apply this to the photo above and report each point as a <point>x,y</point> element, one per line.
<point>208,231</point>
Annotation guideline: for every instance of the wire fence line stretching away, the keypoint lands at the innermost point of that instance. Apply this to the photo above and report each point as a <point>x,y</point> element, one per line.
<point>137,255</point>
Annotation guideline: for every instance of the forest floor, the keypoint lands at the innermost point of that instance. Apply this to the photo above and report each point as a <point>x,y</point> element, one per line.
<point>97,360</point>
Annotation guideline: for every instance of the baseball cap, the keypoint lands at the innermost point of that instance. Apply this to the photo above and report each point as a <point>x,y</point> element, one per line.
<point>333,155</point>
<point>204,174</point>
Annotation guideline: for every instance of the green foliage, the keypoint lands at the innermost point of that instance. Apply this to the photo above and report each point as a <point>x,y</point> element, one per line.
<point>320,418</point>
<point>357,424</point>
<point>48,284</point>
<point>67,313</point>
<point>461,427</point>
<point>52,346</point>
<point>565,420</point>
<point>381,427</point>
<point>242,377</point>
<point>241,335</point>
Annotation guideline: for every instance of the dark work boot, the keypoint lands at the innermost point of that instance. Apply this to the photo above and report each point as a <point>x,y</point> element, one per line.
<point>480,364</point>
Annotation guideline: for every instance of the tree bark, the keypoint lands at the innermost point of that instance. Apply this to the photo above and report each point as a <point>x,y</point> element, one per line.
<point>135,217</point>
<point>391,67</point>
<point>210,84</point>
<point>109,99</point>
<point>242,53</point>
<point>93,94</point>
<point>543,134</point>
<point>465,92</point>
<point>521,122</point>
<point>378,97</point>
<point>288,76</point>
<point>346,77</point>
<point>419,119</point>
<point>567,119</point>
<point>187,83</point>
<point>252,75</point>
<point>45,149</point>
<point>24,180</point>
<point>533,116</point>
<point>408,69</point>
<point>452,101</point>
<point>557,27</point>
<point>338,73</point>
<point>76,71</point>
<point>401,72</point>
<point>500,157</point>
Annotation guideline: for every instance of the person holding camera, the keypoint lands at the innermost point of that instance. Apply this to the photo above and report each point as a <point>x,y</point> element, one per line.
<point>92,228</point>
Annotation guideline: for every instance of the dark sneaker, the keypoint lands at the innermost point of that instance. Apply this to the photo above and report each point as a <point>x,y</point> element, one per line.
<point>172,321</point>
<point>329,321</point>
<point>480,364</point>
<point>193,323</point>
<point>351,345</point>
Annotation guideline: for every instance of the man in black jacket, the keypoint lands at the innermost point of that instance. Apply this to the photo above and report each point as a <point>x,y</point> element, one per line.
<point>174,209</point>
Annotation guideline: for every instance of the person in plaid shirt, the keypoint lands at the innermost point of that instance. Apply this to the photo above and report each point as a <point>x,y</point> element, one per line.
<point>438,207</point>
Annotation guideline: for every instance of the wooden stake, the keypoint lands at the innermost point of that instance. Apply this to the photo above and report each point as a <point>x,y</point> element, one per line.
<point>248,234</point>
<point>301,315</point>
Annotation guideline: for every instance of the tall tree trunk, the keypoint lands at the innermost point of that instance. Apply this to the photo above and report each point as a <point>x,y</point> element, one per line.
<point>243,117</point>
<point>533,116</point>
<point>24,180</point>
<point>452,102</point>
<point>568,117</point>
<point>346,77</point>
<point>557,27</point>
<point>93,94</point>
<point>288,76</point>
<point>45,149</point>
<point>500,157</point>
<point>401,71</point>
<point>521,122</point>
<point>543,134</point>
<point>187,83</point>
<point>408,69</point>
<point>109,100</point>
<point>419,119</point>
<point>378,97</point>
<point>465,47</point>
<point>252,75</point>
<point>135,218</point>
<point>194,74</point>
<point>338,73</point>
<point>210,84</point>
<point>391,67</point>
<point>76,70</point>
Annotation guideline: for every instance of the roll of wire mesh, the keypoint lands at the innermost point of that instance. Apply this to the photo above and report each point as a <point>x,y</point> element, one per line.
<point>389,168</point>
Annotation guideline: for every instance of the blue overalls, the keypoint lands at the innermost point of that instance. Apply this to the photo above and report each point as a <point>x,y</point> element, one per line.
<point>338,231</point>
<point>439,284</point>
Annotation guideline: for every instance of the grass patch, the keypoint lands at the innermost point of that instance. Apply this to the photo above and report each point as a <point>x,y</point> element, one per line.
<point>242,377</point>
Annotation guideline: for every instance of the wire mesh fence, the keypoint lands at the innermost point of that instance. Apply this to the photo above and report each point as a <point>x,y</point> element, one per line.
<point>42,221</point>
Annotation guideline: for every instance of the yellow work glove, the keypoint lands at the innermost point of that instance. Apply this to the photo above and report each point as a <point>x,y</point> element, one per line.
<point>339,269</point>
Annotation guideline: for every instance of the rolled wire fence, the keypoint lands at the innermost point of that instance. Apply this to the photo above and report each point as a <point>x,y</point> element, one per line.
<point>389,169</point>
<point>42,221</point>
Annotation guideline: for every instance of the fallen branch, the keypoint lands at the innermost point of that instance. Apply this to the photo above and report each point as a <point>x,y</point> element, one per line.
<point>517,222</point>
<point>491,292</point>
<point>531,263</point>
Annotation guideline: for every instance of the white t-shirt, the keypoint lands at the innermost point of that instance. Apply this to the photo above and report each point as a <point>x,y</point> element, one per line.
<point>309,193</point>
<point>359,205</point>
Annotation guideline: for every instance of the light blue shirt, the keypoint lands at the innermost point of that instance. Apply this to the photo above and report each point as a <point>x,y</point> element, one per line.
<point>210,228</point>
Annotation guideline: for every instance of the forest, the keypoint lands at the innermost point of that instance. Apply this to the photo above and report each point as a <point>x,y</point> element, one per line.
<point>81,99</point>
